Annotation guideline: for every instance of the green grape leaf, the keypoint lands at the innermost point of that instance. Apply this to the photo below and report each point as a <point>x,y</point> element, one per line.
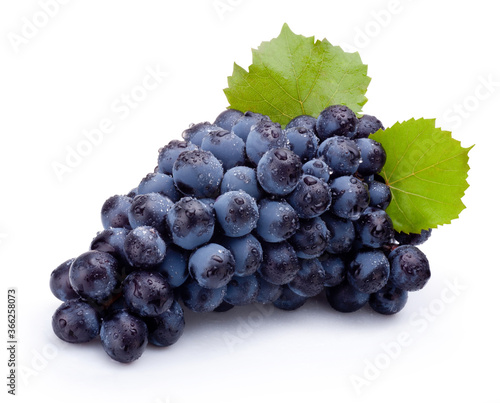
<point>293,75</point>
<point>426,170</point>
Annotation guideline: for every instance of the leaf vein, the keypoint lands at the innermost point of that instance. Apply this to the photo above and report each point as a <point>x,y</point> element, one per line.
<point>264,98</point>
<point>421,196</point>
<point>434,165</point>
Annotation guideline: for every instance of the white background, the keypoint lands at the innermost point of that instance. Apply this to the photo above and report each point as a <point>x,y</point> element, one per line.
<point>426,59</point>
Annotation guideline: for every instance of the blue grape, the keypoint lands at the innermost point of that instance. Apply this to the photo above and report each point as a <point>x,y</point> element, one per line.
<point>59,282</point>
<point>132,193</point>
<point>227,147</point>
<point>191,223</point>
<point>150,210</point>
<point>268,292</point>
<point>236,212</point>
<point>341,154</point>
<point>212,266</point>
<point>380,195</point>
<point>342,233</point>
<point>75,321</point>
<point>277,222</point>
<point>410,269</point>
<point>288,300</point>
<point>389,300</point>
<point>166,328</point>
<point>306,121</point>
<point>159,183</point>
<point>94,276</point>
<point>318,168</point>
<point>243,125</point>
<point>198,173</point>
<point>369,179</point>
<point>303,142</point>
<point>201,299</point>
<point>247,252</point>
<point>357,246</point>
<point>374,228</point>
<point>124,336</point>
<point>114,212</point>
<point>349,197</point>
<point>311,239</point>
<point>287,248</point>
<point>335,269</point>
<point>242,212</point>
<point>367,124</point>
<point>413,239</point>
<point>263,137</point>
<point>226,119</point>
<point>373,156</point>
<point>280,264</point>
<point>223,307</point>
<point>279,171</point>
<point>118,304</point>
<point>174,266</point>
<point>242,178</point>
<point>169,154</point>
<point>336,120</point>
<point>345,298</point>
<point>147,293</point>
<point>197,132</point>
<point>242,290</point>
<point>308,282</point>
<point>112,241</point>
<point>369,271</point>
<point>209,203</point>
<point>311,197</point>
<point>144,247</point>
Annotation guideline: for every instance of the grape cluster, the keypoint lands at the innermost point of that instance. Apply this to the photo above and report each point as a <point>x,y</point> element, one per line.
<point>242,211</point>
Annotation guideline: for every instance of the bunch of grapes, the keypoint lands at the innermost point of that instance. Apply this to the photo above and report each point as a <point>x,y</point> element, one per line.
<point>241,211</point>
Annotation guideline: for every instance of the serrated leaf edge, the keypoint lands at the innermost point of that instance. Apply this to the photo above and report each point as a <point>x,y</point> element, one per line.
<point>464,150</point>
<point>286,32</point>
